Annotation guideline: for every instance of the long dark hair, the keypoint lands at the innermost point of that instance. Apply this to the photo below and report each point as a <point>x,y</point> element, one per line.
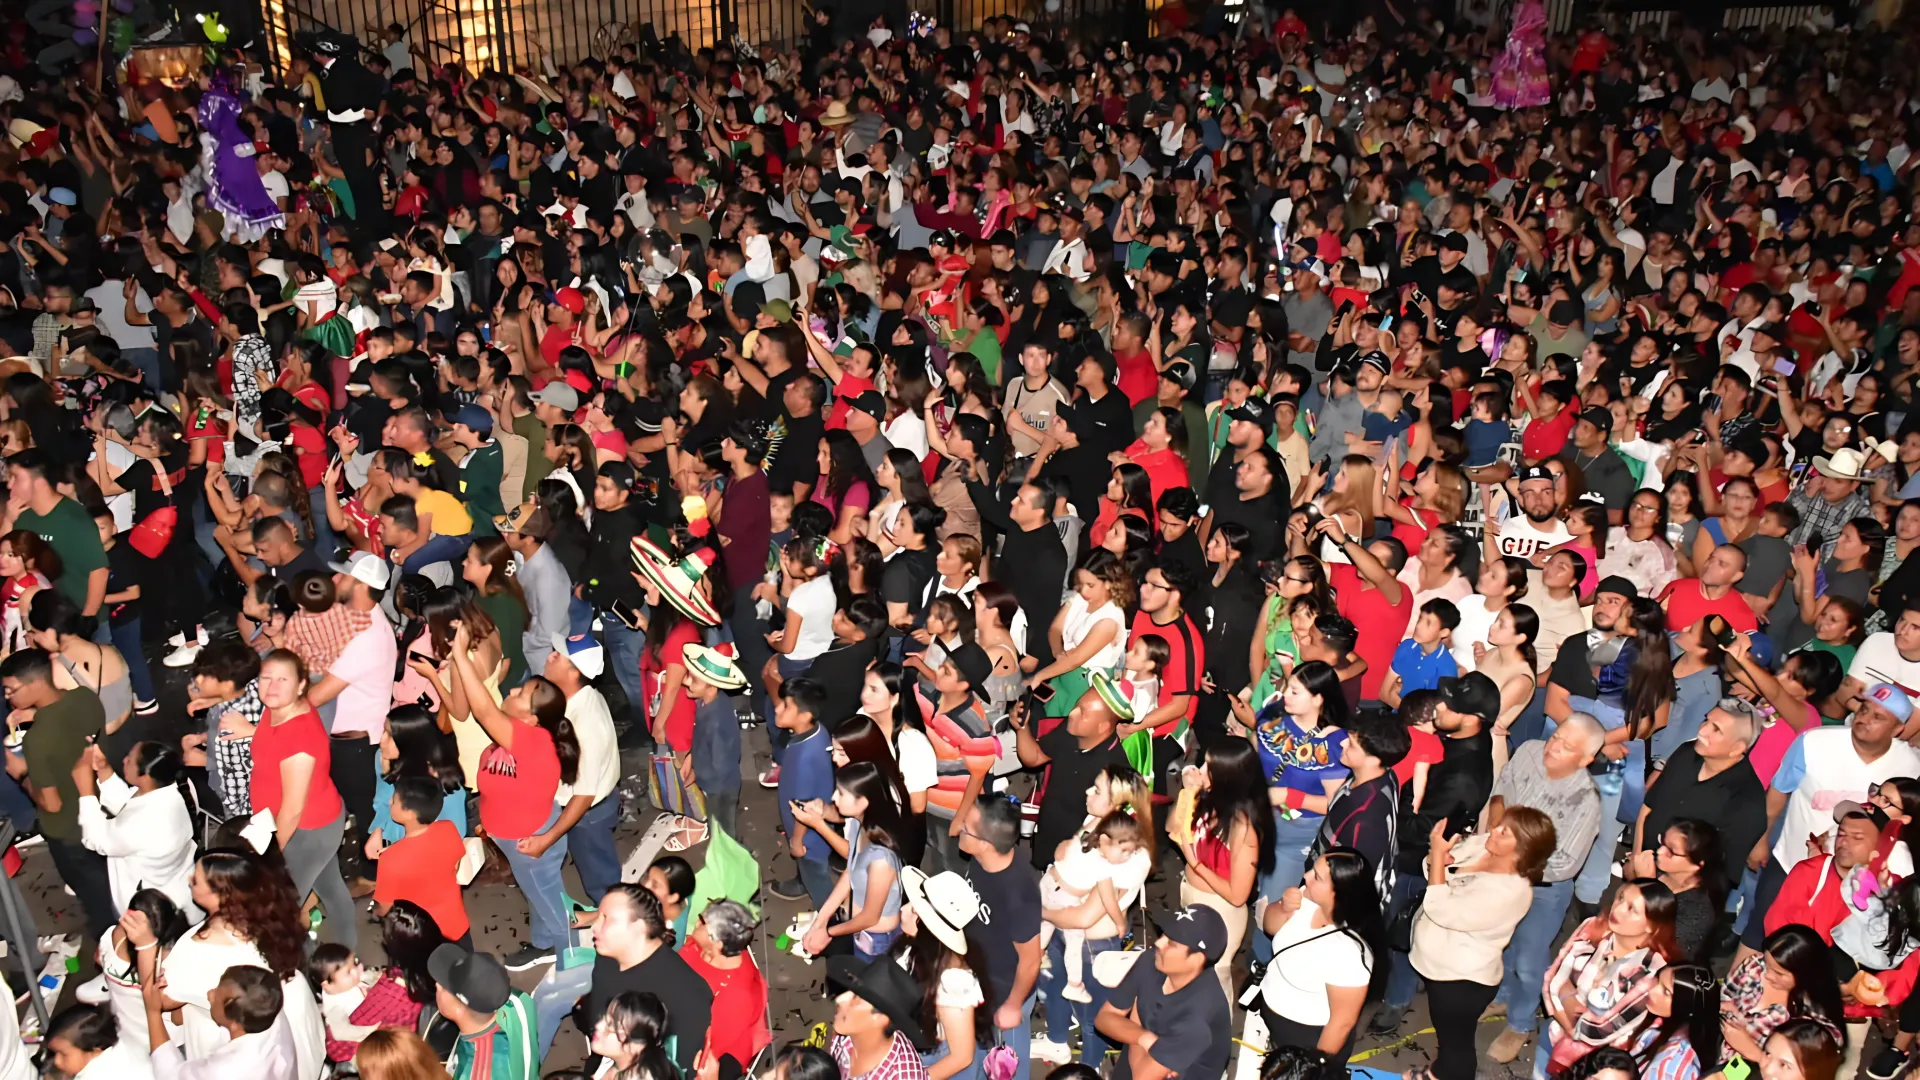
<point>550,711</point>
<point>494,552</point>
<point>906,711</point>
<point>882,823</point>
<point>1663,912</point>
<point>258,904</point>
<point>163,915</point>
<point>424,750</point>
<point>846,466</point>
<point>863,741</point>
<point>1321,680</point>
<point>1800,951</point>
<point>927,959</point>
<point>1650,677</point>
<point>408,935</point>
<point>1903,914</point>
<point>1696,1011</point>
<point>1703,849</point>
<point>1356,898</point>
<point>1237,787</point>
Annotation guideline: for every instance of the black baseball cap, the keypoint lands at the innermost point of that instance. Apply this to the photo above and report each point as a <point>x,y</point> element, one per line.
<point>477,979</point>
<point>1536,472</point>
<point>1454,242</point>
<point>1254,411</point>
<point>1598,417</point>
<point>1198,927</point>
<point>869,402</point>
<point>1181,374</point>
<point>1617,585</point>
<point>1472,693</point>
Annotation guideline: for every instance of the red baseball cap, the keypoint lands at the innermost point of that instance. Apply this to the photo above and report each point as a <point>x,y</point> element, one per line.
<point>571,299</point>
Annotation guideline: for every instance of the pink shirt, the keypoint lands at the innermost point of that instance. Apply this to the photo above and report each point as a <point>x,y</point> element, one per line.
<point>366,665</point>
<point>1771,747</point>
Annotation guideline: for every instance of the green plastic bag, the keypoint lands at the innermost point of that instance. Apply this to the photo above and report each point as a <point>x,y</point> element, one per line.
<point>729,873</point>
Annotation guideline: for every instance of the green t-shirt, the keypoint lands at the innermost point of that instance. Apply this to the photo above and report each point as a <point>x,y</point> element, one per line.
<point>71,532</point>
<point>511,619</point>
<point>480,477</point>
<point>54,743</point>
<point>985,348</point>
<point>531,429</point>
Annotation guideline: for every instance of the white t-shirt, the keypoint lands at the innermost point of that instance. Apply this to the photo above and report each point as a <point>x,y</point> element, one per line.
<point>918,766</point>
<point>813,602</point>
<point>119,460</point>
<point>1080,622</point>
<point>1822,769</point>
<point>599,748</point>
<point>908,431</point>
<point>1877,660</point>
<point>1314,959</point>
<point>275,184</point>
<point>1521,537</point>
<point>1475,622</point>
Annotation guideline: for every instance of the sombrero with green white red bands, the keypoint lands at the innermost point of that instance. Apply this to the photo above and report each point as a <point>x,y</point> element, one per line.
<point>677,579</point>
<point>1117,696</point>
<point>715,666</point>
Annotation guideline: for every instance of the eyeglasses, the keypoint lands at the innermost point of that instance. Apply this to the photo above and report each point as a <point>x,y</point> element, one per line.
<point>1150,584</point>
<point>1643,508</point>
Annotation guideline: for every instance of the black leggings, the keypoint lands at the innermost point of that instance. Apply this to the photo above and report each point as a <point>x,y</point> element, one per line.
<point>1456,1008</point>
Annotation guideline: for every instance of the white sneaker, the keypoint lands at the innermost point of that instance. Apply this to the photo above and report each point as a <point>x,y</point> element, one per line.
<point>185,651</point>
<point>177,640</point>
<point>1053,1053</point>
<point>93,991</point>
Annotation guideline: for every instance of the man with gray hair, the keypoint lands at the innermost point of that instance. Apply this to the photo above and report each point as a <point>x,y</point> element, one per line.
<point>1710,780</point>
<point>1550,777</point>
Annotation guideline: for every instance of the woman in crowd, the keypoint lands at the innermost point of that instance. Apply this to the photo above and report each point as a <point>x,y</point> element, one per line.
<point>148,840</point>
<point>1596,991</point>
<point>414,745</point>
<point>533,752</point>
<point>119,970</point>
<point>54,623</point>
<point>488,567</point>
<point>866,835</point>
<point>947,967</point>
<point>632,1037</point>
<point>408,937</point>
<point>1478,890</point>
<point>292,777</point>
<point>1790,979</point>
<point>1090,632</point>
<point>1233,838</point>
<point>1641,553</point>
<point>396,1054</point>
<point>1325,933</point>
<point>719,951</point>
<point>1685,1001</point>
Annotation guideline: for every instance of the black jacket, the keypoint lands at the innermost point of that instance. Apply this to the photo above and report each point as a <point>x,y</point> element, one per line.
<point>1032,563</point>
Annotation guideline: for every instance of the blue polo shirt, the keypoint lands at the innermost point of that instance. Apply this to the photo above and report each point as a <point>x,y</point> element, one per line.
<point>1421,670</point>
<point>806,772</point>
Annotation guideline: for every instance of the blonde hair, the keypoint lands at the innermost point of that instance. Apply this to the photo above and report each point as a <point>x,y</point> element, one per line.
<point>396,1054</point>
<point>1132,795</point>
<point>1363,486</point>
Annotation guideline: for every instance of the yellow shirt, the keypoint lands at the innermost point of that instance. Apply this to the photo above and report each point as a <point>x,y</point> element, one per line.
<point>450,517</point>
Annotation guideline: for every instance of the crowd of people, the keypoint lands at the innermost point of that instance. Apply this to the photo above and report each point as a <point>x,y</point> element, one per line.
<point>1436,496</point>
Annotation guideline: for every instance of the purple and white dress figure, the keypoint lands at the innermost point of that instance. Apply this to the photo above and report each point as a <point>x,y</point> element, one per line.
<point>233,179</point>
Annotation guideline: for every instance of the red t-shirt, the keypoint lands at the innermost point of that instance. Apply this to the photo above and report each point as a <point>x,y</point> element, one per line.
<point>555,339</point>
<point>1426,750</point>
<point>273,744</point>
<point>1186,659</point>
<point>1381,624</point>
<point>310,452</point>
<point>1139,379</point>
<point>517,785</point>
<point>653,669</point>
<point>421,869</point>
<point>1412,536</point>
<point>209,429</point>
<point>1545,438</point>
<point>1687,605</point>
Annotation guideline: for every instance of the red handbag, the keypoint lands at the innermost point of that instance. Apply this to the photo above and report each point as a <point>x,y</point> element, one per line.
<point>152,536</point>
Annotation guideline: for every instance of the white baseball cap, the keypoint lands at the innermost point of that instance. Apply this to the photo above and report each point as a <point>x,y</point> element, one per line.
<point>365,566</point>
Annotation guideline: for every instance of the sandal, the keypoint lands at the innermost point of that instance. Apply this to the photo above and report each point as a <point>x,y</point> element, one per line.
<point>687,832</point>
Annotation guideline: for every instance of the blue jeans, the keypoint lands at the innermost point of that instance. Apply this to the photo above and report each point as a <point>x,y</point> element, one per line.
<point>939,1053</point>
<point>1060,1010</point>
<point>819,879</point>
<point>148,361</point>
<point>126,638</point>
<point>591,841</point>
<point>624,645</point>
<point>324,540</point>
<point>1409,887</point>
<point>554,998</point>
<point>540,880</point>
<point>1018,1039</point>
<point>1530,951</point>
<point>1291,839</point>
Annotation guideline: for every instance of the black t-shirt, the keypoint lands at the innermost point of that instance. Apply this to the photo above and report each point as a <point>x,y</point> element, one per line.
<point>1571,671</point>
<point>905,578</point>
<point>1607,476</point>
<point>124,567</point>
<point>1733,801</point>
<point>668,977</point>
<point>1192,1027</point>
<point>1263,518</point>
<point>843,670</point>
<point>1009,914</point>
<point>308,559</point>
<point>1063,798</point>
<point>798,461</point>
<point>1113,418</point>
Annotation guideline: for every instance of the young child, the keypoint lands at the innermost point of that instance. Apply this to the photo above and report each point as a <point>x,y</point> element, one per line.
<point>1487,430</point>
<point>441,513</point>
<point>423,866</point>
<point>1424,659</point>
<point>1146,658</point>
<point>713,764</point>
<point>1384,422</point>
<point>342,981</point>
<point>1101,848</point>
<point>1417,709</point>
<point>949,623</point>
<point>806,773</point>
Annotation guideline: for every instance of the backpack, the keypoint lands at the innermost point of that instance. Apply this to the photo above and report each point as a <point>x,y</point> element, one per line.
<point>517,1019</point>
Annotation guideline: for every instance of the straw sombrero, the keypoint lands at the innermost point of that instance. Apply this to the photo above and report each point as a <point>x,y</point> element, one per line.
<point>1115,695</point>
<point>715,667</point>
<point>677,579</point>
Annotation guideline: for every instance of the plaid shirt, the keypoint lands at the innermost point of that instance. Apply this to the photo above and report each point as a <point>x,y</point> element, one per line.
<point>1612,989</point>
<point>230,761</point>
<point>1817,514</point>
<point>319,639</point>
<point>46,331</point>
<point>1741,1004</point>
<point>901,1063</point>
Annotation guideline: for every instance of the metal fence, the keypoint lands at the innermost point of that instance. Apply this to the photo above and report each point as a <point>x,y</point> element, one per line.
<point>505,34</point>
<point>1563,15</point>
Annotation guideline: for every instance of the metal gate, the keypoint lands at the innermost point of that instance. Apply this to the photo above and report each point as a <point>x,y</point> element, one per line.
<point>504,34</point>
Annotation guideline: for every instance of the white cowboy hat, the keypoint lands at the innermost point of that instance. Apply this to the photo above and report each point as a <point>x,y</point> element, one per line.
<point>945,903</point>
<point>1845,464</point>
